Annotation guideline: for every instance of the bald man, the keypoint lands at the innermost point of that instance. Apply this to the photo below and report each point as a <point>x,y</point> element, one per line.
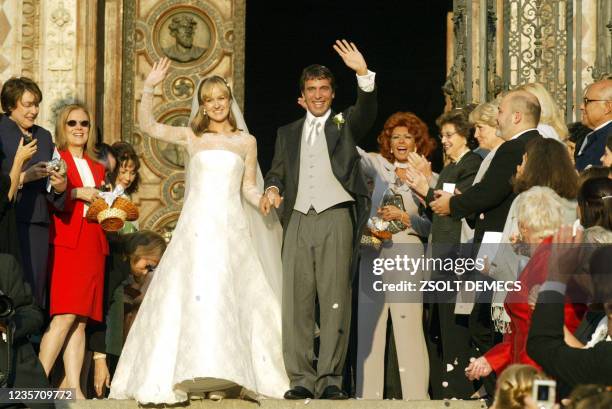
<point>596,110</point>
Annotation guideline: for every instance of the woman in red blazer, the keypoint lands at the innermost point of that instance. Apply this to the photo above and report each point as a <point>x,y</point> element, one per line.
<point>79,248</point>
<point>539,214</point>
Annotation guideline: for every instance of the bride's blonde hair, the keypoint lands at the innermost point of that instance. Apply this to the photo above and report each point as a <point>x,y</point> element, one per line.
<point>201,121</point>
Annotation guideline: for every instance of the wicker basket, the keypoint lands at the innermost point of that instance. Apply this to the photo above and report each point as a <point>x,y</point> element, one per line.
<point>130,209</point>
<point>374,238</point>
<point>111,219</point>
<point>95,208</point>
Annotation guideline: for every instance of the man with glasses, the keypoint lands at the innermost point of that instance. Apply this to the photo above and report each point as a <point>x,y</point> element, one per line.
<point>596,114</point>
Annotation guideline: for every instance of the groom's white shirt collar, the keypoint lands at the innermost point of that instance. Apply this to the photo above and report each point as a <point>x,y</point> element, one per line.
<point>322,119</point>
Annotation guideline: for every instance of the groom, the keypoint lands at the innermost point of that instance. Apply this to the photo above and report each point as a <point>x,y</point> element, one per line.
<point>316,170</point>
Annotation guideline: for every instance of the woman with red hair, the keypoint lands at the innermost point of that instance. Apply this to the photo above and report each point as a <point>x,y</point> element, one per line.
<point>403,135</point>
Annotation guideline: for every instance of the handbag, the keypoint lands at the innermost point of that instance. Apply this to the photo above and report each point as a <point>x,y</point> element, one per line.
<point>374,237</point>
<point>390,198</point>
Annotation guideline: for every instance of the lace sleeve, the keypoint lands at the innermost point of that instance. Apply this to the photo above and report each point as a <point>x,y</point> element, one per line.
<point>172,134</point>
<point>249,180</point>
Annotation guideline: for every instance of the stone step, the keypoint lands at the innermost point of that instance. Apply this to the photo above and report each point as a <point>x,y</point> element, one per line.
<point>281,404</point>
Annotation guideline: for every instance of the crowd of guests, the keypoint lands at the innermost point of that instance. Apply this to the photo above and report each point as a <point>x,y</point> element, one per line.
<point>71,282</point>
<point>511,166</point>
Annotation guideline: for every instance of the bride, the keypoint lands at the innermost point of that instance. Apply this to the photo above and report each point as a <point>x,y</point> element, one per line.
<point>211,318</point>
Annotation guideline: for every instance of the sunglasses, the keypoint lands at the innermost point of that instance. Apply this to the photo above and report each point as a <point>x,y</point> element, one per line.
<point>73,123</point>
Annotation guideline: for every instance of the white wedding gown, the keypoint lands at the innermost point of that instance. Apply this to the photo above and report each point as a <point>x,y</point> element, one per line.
<point>211,317</point>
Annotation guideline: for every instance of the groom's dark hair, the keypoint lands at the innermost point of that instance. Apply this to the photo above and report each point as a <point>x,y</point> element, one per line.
<point>317,72</point>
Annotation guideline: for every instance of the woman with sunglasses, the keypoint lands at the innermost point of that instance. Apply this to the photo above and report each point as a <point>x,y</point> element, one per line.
<point>78,252</point>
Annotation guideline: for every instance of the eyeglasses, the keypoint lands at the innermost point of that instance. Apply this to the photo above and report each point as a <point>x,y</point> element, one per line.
<point>73,123</point>
<point>448,135</point>
<point>585,100</point>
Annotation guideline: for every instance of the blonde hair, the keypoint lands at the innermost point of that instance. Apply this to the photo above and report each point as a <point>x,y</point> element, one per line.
<point>201,121</point>
<point>485,113</point>
<point>61,137</point>
<point>513,385</point>
<point>539,209</point>
<point>551,114</point>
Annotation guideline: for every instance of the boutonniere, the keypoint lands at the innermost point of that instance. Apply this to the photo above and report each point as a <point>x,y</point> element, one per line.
<point>338,120</point>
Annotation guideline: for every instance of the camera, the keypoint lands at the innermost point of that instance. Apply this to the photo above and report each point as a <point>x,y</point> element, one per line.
<point>544,393</point>
<point>57,165</point>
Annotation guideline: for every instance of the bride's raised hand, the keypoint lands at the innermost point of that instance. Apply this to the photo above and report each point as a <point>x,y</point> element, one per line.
<point>158,72</point>
<point>351,56</point>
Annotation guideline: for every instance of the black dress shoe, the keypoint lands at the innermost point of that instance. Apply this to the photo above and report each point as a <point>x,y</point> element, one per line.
<point>334,393</point>
<point>297,393</point>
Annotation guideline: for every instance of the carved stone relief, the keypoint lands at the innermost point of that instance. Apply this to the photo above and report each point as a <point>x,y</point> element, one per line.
<point>30,40</point>
<point>9,29</point>
<point>58,78</point>
<point>602,66</point>
<point>537,46</point>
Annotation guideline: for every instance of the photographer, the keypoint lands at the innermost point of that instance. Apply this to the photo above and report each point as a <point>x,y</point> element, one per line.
<point>132,258</point>
<point>18,361</point>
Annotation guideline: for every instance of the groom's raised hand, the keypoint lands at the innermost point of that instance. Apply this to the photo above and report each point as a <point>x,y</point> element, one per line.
<point>351,56</point>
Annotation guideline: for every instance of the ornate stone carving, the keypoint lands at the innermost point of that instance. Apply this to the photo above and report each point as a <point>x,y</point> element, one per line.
<point>59,82</point>
<point>5,30</point>
<point>183,87</point>
<point>454,86</point>
<point>180,35</point>
<point>537,47</point>
<point>61,39</point>
<point>494,81</point>
<point>129,72</point>
<point>603,62</point>
<point>30,43</point>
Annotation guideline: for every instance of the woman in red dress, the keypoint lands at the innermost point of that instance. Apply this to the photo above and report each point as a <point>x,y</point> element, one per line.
<point>79,249</point>
<point>539,215</point>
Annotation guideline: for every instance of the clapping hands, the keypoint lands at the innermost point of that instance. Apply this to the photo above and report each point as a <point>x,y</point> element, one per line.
<point>351,56</point>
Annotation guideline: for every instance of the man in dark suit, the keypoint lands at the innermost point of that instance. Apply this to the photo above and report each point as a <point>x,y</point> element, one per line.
<point>546,345</point>
<point>20,98</point>
<point>26,370</point>
<point>316,169</point>
<point>596,114</point>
